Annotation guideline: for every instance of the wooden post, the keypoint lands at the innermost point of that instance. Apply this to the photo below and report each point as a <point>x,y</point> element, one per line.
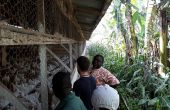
<point>42,54</point>
<point>70,55</point>
<point>82,48</point>
<point>41,16</point>
<point>43,77</point>
<point>163,40</point>
<point>59,60</point>
<point>4,55</point>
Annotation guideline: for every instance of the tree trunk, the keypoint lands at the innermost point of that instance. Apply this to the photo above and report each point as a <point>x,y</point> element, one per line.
<point>163,41</point>
<point>120,26</point>
<point>149,23</point>
<point>132,29</point>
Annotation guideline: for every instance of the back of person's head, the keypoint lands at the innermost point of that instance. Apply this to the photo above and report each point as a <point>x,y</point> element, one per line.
<point>83,63</point>
<point>61,84</point>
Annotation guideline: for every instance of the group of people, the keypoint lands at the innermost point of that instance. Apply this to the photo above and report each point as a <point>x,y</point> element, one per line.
<point>94,90</point>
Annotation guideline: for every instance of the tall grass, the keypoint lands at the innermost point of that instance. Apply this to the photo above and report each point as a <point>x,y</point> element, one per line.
<point>141,88</point>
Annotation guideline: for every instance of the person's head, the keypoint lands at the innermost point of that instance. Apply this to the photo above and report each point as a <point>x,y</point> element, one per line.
<point>83,64</point>
<point>98,61</point>
<point>61,84</point>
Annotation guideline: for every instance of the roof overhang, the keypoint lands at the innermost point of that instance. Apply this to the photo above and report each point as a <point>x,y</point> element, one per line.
<point>89,13</point>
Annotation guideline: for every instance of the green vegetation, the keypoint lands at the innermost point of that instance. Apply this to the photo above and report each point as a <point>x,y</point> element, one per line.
<point>132,53</point>
<point>141,88</point>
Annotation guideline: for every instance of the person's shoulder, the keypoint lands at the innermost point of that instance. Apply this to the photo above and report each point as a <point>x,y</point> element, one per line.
<point>75,104</point>
<point>92,78</point>
<point>79,82</point>
<point>105,70</point>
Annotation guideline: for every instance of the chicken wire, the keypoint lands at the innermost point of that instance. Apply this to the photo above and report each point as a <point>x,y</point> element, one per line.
<point>23,13</point>
<point>20,73</point>
<point>19,12</point>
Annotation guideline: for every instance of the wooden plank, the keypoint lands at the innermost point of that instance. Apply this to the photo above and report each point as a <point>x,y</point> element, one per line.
<point>64,48</point>
<point>59,60</point>
<point>43,77</point>
<point>6,94</point>
<point>10,35</point>
<point>68,51</point>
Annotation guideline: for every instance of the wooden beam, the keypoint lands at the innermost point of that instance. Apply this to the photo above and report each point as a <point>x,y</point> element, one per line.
<point>8,95</point>
<point>88,10</point>
<point>67,50</point>
<point>58,59</point>
<point>43,77</point>
<point>10,35</point>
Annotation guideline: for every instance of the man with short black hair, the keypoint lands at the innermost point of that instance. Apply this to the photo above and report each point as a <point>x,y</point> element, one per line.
<point>86,84</point>
<point>62,89</point>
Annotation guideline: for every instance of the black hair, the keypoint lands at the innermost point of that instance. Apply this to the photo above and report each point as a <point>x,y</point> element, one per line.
<point>61,84</point>
<point>83,63</point>
<point>98,55</point>
<point>103,109</point>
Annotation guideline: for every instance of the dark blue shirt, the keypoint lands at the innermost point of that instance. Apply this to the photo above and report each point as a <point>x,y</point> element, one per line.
<point>84,88</point>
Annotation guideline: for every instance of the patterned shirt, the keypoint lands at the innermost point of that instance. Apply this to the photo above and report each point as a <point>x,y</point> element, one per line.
<point>103,76</point>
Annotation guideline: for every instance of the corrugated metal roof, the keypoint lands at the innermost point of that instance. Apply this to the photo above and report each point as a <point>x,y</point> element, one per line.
<point>89,13</point>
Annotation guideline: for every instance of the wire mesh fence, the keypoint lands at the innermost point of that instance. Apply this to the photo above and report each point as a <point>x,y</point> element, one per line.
<point>19,13</point>
<point>20,73</point>
<point>24,14</point>
<point>20,64</point>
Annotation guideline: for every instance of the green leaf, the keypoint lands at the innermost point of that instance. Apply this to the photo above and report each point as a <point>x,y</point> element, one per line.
<point>129,90</point>
<point>135,17</point>
<point>142,101</point>
<point>160,88</point>
<point>166,102</point>
<point>153,101</point>
<point>136,72</point>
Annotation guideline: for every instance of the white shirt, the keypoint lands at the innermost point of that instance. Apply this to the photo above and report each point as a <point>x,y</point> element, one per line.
<point>106,97</point>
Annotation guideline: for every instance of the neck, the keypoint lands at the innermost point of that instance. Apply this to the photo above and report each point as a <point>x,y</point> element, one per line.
<point>96,68</point>
<point>84,74</point>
